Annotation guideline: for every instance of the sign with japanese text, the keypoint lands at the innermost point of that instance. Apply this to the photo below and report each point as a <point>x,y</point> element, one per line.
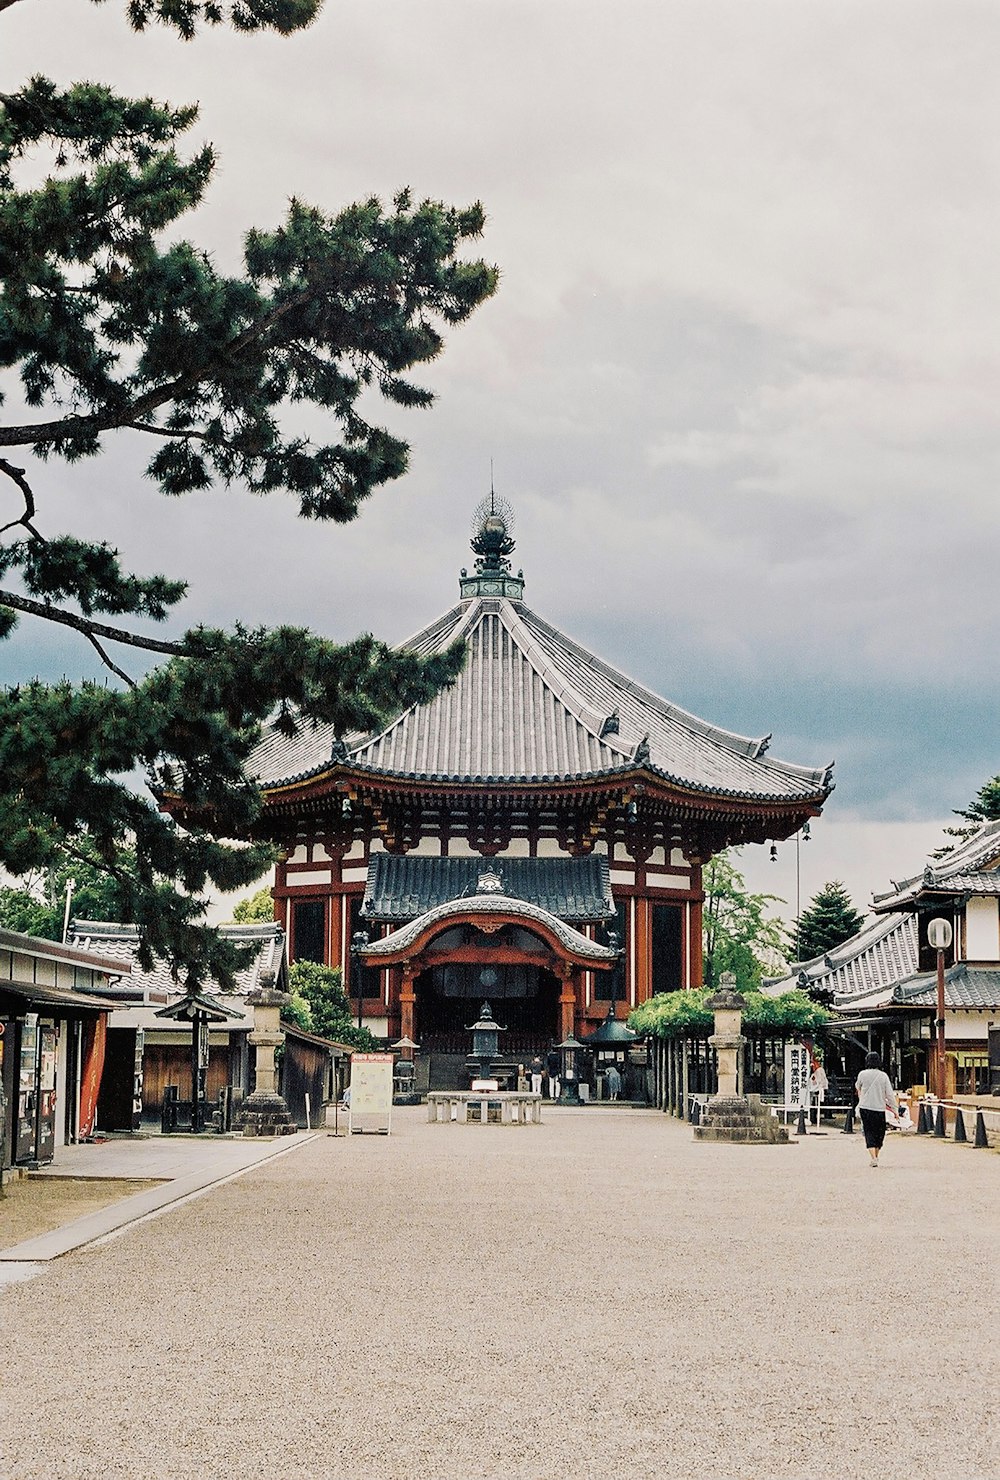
<point>371,1092</point>
<point>798,1067</point>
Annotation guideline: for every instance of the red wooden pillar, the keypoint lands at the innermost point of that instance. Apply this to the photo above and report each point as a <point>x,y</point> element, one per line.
<point>567,999</point>
<point>641,986</point>
<point>696,962</point>
<point>407,1002</point>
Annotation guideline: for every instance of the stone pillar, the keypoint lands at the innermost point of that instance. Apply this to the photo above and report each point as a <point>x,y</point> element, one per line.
<point>729,1115</point>
<point>727,1040</point>
<point>265,1112</point>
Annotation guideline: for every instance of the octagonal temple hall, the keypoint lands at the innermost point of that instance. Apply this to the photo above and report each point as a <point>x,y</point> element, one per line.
<point>533,835</point>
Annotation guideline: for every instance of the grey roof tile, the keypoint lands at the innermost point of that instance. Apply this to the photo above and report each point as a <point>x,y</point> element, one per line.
<point>880,955</point>
<point>533,705</point>
<point>402,886</point>
<point>121,942</point>
<point>491,904</point>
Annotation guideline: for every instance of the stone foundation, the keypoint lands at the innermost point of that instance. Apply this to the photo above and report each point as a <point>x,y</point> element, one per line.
<point>740,1118</point>
<point>266,1115</point>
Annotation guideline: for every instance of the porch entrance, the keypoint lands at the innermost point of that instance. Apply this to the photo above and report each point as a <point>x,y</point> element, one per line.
<point>524,999</point>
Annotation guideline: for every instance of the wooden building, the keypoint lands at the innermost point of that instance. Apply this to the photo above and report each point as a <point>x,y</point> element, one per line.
<point>883,981</point>
<point>54,1004</point>
<point>490,841</point>
<point>147,1054</point>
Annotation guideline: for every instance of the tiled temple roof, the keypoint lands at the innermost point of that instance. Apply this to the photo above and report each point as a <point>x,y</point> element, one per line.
<point>121,942</point>
<point>402,886</point>
<point>533,705</point>
<point>491,904</point>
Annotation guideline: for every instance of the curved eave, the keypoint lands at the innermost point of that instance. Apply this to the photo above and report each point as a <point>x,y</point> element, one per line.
<point>339,777</point>
<point>500,909</point>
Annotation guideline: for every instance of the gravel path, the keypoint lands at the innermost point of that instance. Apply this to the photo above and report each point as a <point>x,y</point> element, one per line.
<point>595,1297</point>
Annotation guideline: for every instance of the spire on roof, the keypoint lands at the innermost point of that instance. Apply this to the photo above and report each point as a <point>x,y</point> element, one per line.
<point>492,544</point>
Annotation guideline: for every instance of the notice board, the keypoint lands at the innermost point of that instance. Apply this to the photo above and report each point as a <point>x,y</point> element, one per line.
<point>371,1093</point>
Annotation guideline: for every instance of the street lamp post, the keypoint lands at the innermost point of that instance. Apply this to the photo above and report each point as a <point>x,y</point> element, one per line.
<point>359,941</point>
<point>939,935</point>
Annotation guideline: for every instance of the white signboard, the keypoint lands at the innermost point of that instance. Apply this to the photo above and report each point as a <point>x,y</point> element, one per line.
<point>371,1093</point>
<point>798,1067</point>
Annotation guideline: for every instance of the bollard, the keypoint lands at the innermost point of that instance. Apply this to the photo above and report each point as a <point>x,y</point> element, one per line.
<point>939,1125</point>
<point>848,1122</point>
<point>980,1130</point>
<point>922,1126</point>
<point>802,1129</point>
<point>960,1135</point>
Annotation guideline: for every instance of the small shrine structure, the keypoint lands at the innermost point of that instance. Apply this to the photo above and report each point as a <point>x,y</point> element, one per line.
<point>490,843</point>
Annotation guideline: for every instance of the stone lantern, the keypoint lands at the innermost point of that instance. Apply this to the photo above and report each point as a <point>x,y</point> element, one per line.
<point>730,1116</point>
<point>727,1040</point>
<point>265,1112</point>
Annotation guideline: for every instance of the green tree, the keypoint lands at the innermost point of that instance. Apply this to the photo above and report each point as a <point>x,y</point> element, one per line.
<point>829,920</point>
<point>38,906</point>
<point>739,935</point>
<point>114,324</point>
<point>322,987</point>
<point>687,1015</point>
<point>984,807</point>
<point>255,908</point>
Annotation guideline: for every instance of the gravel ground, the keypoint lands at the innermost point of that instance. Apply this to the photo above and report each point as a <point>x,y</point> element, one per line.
<point>36,1205</point>
<point>597,1296</point>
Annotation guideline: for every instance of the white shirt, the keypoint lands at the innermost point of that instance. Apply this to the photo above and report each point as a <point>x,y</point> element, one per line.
<point>875,1090</point>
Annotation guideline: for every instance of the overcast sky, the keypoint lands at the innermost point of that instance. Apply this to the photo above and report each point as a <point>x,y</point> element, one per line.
<point>740,381</point>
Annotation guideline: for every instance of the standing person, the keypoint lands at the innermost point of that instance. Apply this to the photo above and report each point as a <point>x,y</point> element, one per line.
<point>875,1096</point>
<point>614,1082</point>
<point>554,1065</point>
<point>537,1069</point>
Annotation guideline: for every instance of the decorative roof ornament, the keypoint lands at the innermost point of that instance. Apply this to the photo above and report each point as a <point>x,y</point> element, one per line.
<point>489,882</point>
<point>492,545</point>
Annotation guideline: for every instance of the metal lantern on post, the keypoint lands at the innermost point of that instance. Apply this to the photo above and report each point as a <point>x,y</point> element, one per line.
<point>569,1050</point>
<point>939,936</point>
<point>359,944</point>
<point>486,1040</point>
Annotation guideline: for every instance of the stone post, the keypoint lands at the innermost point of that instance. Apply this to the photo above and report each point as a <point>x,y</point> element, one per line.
<point>729,1115</point>
<point>265,1112</point>
<point>727,1040</point>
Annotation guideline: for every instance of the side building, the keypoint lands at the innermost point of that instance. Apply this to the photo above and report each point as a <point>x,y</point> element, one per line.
<point>883,981</point>
<point>534,835</point>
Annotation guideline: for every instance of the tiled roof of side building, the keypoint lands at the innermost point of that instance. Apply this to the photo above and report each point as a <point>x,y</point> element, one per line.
<point>970,868</point>
<point>120,943</point>
<point>532,705</point>
<point>972,988</point>
<point>402,886</point>
<point>880,955</point>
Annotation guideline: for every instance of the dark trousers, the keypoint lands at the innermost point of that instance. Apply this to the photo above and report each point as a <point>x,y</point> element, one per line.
<point>873,1122</point>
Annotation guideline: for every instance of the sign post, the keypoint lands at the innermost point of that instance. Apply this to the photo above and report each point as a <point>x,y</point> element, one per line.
<point>371,1093</point>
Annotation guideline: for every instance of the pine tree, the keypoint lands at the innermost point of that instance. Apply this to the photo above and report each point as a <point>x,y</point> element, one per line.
<point>114,324</point>
<point>828,920</point>
<point>984,807</point>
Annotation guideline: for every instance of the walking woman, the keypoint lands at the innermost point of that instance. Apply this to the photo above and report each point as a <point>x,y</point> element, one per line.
<point>875,1096</point>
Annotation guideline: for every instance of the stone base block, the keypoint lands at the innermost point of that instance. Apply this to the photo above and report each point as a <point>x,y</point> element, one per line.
<point>266,1115</point>
<point>742,1119</point>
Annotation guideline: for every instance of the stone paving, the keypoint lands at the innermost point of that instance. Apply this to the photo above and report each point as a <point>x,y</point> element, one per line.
<point>596,1296</point>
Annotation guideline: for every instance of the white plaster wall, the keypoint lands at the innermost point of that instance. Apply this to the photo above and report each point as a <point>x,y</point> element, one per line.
<point>549,848</point>
<point>982,931</point>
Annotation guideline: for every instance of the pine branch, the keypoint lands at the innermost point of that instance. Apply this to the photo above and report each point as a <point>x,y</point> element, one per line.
<point>50,431</point>
<point>91,630</point>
